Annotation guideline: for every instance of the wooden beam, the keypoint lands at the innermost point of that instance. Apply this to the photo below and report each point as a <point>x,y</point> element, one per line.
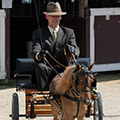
<point>82,5</point>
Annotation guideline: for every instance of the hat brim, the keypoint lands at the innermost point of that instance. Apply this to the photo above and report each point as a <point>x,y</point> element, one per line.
<point>54,13</point>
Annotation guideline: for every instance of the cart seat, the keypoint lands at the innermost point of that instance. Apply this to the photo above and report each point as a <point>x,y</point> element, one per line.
<point>28,86</point>
<point>26,67</point>
<point>84,61</point>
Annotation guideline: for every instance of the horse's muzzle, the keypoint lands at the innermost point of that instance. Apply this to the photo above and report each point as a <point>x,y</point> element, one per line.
<point>86,102</point>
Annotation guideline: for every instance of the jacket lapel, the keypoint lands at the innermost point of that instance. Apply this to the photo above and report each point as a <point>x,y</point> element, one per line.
<point>59,37</point>
<point>48,35</point>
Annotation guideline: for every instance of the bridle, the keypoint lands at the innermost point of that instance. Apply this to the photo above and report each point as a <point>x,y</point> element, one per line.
<point>84,71</point>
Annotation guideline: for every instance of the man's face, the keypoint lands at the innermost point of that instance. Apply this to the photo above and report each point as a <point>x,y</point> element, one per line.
<point>53,21</point>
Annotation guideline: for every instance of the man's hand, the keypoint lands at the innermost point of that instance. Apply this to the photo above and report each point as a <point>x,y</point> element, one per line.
<point>40,55</point>
<point>72,49</point>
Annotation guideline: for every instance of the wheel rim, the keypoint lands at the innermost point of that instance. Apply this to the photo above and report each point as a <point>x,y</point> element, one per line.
<point>15,107</point>
<point>96,111</point>
<point>13,110</point>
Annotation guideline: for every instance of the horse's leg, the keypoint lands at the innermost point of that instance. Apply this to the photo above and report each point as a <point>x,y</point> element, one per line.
<point>81,114</point>
<point>81,118</point>
<point>68,117</point>
<point>55,110</point>
<point>55,117</point>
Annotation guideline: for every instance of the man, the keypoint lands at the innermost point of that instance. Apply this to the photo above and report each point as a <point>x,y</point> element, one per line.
<point>53,44</point>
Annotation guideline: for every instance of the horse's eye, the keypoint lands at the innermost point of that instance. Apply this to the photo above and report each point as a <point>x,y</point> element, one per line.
<point>80,81</point>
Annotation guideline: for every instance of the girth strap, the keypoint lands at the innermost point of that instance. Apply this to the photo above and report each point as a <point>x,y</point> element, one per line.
<point>78,100</point>
<point>58,101</point>
<point>72,98</point>
<point>77,110</point>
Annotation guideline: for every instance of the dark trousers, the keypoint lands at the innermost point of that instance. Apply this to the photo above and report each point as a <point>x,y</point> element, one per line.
<point>44,75</point>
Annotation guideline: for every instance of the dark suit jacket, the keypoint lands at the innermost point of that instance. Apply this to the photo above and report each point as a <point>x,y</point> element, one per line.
<point>64,36</point>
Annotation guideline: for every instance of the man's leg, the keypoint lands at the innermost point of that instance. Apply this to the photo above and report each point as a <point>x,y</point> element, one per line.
<point>44,74</point>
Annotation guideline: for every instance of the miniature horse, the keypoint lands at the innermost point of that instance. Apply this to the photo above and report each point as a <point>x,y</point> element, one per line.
<point>71,93</point>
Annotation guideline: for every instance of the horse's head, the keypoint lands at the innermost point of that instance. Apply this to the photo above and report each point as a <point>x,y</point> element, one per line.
<point>78,79</point>
<point>82,83</point>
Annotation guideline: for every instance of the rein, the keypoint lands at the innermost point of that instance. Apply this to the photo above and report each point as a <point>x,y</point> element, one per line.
<point>55,60</point>
<point>72,57</point>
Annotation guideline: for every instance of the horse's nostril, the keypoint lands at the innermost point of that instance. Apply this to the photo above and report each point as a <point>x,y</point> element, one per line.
<point>86,102</point>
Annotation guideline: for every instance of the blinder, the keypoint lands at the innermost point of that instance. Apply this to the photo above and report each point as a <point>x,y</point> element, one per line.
<point>94,83</point>
<point>86,73</point>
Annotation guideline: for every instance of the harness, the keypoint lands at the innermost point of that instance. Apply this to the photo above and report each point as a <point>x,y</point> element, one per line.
<point>75,92</point>
<point>75,99</point>
<point>84,71</point>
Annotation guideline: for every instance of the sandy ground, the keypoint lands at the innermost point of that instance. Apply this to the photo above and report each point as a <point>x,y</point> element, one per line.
<point>110,91</point>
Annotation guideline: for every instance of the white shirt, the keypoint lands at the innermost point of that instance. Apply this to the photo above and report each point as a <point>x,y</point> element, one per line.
<point>51,30</point>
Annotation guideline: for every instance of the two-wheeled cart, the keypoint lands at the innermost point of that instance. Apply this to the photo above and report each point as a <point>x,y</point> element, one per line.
<point>38,102</point>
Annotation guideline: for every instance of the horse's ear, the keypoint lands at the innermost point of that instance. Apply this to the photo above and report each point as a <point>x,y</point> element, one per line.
<point>78,67</point>
<point>91,66</point>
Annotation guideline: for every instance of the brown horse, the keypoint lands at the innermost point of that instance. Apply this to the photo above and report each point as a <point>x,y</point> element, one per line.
<point>72,93</point>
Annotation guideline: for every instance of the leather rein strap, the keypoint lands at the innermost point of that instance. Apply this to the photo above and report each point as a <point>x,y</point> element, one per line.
<point>72,57</point>
<point>69,60</point>
<point>55,60</point>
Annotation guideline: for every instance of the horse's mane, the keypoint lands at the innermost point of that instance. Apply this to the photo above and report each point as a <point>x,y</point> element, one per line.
<point>66,81</point>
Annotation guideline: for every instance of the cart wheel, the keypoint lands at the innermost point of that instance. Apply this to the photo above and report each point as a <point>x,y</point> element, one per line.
<point>98,108</point>
<point>15,107</point>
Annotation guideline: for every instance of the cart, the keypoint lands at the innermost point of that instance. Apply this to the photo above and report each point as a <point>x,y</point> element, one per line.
<point>38,103</point>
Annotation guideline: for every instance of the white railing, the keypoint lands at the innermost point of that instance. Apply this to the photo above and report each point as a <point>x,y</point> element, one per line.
<point>2,44</point>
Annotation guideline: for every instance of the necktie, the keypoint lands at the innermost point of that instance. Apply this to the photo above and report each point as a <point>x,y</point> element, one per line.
<point>54,35</point>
